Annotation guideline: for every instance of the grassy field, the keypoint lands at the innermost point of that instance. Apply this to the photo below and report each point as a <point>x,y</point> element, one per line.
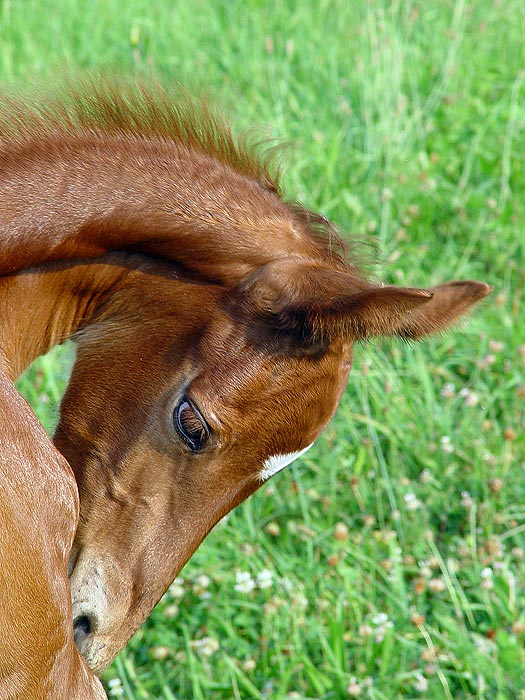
<point>390,562</point>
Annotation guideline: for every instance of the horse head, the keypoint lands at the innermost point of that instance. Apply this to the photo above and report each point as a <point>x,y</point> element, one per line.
<point>185,397</point>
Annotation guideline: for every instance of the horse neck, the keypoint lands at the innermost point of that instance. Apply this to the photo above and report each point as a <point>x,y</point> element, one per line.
<point>65,197</point>
<point>43,307</point>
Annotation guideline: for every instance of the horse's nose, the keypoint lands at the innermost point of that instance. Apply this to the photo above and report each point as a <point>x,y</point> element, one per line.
<point>88,640</point>
<point>82,627</point>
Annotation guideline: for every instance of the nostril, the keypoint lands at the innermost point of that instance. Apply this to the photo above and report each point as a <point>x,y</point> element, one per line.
<point>82,628</point>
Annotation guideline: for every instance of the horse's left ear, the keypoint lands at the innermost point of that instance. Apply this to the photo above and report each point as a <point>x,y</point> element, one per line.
<point>309,304</point>
<point>449,302</point>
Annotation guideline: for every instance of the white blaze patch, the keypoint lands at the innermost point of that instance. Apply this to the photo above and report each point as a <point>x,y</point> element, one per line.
<point>275,463</point>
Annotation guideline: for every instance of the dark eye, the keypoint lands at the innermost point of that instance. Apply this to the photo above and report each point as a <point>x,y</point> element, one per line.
<point>190,425</point>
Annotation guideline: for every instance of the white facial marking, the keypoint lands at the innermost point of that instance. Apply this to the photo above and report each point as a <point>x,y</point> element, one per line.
<point>275,463</point>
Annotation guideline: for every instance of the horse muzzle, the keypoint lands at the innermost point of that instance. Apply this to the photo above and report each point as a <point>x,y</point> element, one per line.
<point>97,613</point>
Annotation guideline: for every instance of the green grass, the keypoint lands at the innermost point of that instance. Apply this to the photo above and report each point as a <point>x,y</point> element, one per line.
<point>407,128</point>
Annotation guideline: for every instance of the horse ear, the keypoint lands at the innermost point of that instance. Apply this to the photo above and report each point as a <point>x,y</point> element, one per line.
<point>449,302</point>
<point>310,304</point>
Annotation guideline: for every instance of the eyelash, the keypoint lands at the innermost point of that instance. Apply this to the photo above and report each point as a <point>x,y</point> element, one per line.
<point>190,425</point>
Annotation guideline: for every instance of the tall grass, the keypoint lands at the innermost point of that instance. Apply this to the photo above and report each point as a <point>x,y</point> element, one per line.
<point>390,562</point>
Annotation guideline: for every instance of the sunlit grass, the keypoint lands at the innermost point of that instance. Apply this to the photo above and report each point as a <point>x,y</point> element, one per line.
<point>396,547</point>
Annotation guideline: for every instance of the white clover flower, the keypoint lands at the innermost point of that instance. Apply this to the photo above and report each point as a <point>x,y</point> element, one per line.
<point>299,601</point>
<point>471,398</point>
<point>446,445</point>
<point>171,610</point>
<point>382,624</point>
<point>264,578</point>
<point>487,582</point>
<point>421,683</point>
<point>379,619</point>
<point>286,585</point>
<point>176,591</point>
<point>365,631</point>
<point>115,688</point>
<point>244,582</point>
<point>380,631</point>
<point>207,646</point>
<point>203,581</point>
<point>249,665</point>
<point>411,501</point>
<point>354,689</point>
<point>466,500</point>
<point>448,390</point>
<point>425,476</point>
<point>200,586</point>
<point>437,585</point>
<point>159,653</point>
<point>211,646</point>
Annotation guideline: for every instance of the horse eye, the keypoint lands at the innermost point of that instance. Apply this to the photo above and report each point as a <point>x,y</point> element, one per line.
<point>190,425</point>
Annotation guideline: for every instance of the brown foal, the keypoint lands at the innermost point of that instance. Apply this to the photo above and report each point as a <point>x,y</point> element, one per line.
<point>214,325</point>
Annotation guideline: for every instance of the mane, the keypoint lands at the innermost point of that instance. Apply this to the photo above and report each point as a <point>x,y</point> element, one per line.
<point>120,106</point>
<point>97,107</point>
